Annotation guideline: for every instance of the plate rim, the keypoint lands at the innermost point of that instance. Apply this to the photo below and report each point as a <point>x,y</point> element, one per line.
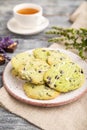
<point>45,104</point>
<point>39,103</point>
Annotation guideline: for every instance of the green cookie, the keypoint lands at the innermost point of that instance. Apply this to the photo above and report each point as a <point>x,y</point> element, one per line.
<point>20,60</point>
<point>41,53</point>
<point>57,56</point>
<point>64,77</point>
<point>34,71</point>
<point>41,92</point>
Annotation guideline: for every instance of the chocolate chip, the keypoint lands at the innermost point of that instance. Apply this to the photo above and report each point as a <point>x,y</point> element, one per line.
<point>57,77</point>
<point>48,94</point>
<point>75,71</point>
<point>61,58</point>
<point>61,72</point>
<point>81,71</point>
<point>54,85</point>
<point>39,71</point>
<point>24,68</point>
<point>69,80</point>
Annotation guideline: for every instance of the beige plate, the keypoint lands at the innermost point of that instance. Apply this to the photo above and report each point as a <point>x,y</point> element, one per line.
<point>14,86</point>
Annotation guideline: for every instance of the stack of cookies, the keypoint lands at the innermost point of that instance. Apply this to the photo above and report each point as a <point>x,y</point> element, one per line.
<point>47,73</point>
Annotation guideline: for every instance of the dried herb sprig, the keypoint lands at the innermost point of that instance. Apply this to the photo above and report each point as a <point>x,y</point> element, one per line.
<point>72,38</point>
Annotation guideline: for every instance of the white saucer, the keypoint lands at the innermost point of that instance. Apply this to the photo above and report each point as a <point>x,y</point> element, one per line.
<point>14,27</point>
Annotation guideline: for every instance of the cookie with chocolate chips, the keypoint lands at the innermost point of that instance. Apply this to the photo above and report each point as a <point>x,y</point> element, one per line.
<point>19,61</point>
<point>64,77</point>
<point>41,53</point>
<point>57,56</point>
<point>34,71</point>
<point>40,92</point>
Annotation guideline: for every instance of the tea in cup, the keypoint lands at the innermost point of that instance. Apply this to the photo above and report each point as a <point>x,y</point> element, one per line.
<point>28,14</point>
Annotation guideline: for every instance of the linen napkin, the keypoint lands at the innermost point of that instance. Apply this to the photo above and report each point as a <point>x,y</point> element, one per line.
<point>72,116</point>
<point>69,117</point>
<point>79,10</point>
<point>79,17</point>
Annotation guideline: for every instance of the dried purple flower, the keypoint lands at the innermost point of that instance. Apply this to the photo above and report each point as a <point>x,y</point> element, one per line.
<point>5,42</point>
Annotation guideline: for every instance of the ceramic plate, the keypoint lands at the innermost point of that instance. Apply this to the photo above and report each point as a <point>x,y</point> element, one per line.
<point>14,86</point>
<point>14,27</point>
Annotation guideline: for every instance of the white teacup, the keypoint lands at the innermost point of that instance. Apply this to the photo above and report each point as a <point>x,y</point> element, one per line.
<point>29,19</point>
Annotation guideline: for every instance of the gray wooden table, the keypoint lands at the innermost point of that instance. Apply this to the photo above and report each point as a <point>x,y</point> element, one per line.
<point>57,11</point>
